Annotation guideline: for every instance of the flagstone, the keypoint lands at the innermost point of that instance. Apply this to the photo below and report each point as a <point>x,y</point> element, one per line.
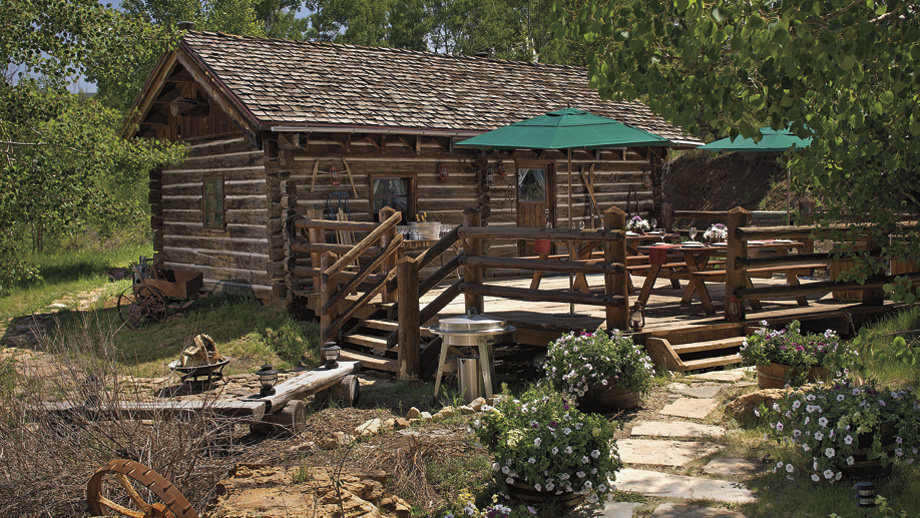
<point>666,485</point>
<point>618,510</point>
<point>693,408</point>
<point>728,376</point>
<point>730,467</point>
<point>675,429</point>
<point>663,453</point>
<point>672,510</point>
<point>697,390</point>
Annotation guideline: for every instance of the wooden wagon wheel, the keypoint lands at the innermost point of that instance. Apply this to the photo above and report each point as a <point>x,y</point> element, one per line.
<point>139,302</point>
<point>131,476</point>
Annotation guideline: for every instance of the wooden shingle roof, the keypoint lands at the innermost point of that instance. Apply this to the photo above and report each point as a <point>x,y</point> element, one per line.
<point>282,82</point>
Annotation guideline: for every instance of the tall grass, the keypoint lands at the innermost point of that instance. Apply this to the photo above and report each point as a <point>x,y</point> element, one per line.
<point>67,269</point>
<point>881,359</point>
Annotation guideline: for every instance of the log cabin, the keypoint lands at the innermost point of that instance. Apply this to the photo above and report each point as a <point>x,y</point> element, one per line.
<point>277,128</point>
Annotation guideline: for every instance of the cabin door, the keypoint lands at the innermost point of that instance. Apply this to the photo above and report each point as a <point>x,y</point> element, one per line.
<point>536,198</point>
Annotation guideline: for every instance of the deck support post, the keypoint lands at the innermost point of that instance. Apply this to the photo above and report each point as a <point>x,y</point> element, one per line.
<point>472,246</point>
<point>316,236</point>
<point>329,284</point>
<point>735,274</point>
<point>616,283</point>
<point>807,217</point>
<point>409,340</point>
<point>389,295</point>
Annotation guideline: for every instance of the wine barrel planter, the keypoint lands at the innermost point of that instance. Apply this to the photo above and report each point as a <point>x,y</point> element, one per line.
<point>609,398</point>
<point>774,375</point>
<point>863,466</point>
<point>527,494</point>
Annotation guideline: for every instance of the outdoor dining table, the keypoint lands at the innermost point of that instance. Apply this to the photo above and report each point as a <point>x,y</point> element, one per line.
<point>696,258</point>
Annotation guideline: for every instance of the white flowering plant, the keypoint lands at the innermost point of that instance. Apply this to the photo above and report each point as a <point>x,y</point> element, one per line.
<point>829,423</point>
<point>575,362</point>
<point>716,232</point>
<point>496,506</point>
<point>638,224</point>
<point>543,442</point>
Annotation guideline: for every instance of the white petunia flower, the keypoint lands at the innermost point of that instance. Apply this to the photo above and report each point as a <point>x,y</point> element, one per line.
<point>789,468</point>
<point>850,460</point>
<point>829,453</point>
<point>815,477</point>
<point>828,474</point>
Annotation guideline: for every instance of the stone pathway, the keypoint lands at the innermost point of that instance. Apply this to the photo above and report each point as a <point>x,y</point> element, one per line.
<point>676,443</point>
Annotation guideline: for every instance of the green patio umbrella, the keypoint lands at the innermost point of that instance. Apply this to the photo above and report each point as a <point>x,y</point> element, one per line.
<point>772,142</point>
<point>569,128</point>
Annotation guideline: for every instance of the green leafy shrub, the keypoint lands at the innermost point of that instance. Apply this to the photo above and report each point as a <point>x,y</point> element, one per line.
<point>575,363</point>
<point>542,441</point>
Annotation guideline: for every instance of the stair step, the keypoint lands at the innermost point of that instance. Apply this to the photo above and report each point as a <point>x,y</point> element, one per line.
<point>369,361</point>
<point>372,341</point>
<point>381,324</point>
<point>706,363</point>
<point>709,345</point>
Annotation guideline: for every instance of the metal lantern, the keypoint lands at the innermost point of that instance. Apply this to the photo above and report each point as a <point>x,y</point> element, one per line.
<point>330,352</point>
<point>865,494</point>
<point>637,317</point>
<point>267,377</point>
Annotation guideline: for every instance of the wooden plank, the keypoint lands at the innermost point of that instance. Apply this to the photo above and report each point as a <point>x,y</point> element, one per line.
<point>818,287</point>
<point>409,339</point>
<point>783,260</point>
<point>326,224</point>
<point>435,306</point>
<point>356,251</point>
<point>435,250</point>
<point>616,284</point>
<point>304,247</point>
<point>513,263</point>
<point>439,275</point>
<point>370,361</point>
<point>364,273</point>
<point>307,383</point>
<point>659,350</point>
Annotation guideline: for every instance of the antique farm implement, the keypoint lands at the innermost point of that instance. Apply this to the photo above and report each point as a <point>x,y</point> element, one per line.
<point>155,291</point>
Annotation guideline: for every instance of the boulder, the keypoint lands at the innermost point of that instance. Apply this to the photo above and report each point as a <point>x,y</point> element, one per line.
<point>467,410</point>
<point>413,413</point>
<point>446,412</point>
<point>477,403</point>
<point>426,415</point>
<point>369,427</point>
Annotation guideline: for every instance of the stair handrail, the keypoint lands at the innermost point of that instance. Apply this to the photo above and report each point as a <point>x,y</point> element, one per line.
<point>359,248</point>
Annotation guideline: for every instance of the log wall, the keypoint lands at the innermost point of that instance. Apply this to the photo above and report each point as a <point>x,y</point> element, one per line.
<point>234,259</point>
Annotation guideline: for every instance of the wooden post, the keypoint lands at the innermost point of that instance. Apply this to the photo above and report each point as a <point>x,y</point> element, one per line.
<point>409,341</point>
<point>316,236</point>
<point>472,247</point>
<point>616,283</point>
<point>735,276</point>
<point>329,284</point>
<point>384,214</point>
<point>666,220</point>
<point>807,217</point>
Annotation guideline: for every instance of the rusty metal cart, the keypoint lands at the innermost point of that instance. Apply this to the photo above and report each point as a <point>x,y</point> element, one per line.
<point>155,292</point>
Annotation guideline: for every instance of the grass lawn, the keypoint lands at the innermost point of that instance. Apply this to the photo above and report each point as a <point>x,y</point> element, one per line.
<point>877,356</point>
<point>67,272</point>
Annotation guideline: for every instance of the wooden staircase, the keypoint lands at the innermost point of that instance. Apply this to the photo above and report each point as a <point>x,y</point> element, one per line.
<point>696,348</point>
<point>373,340</point>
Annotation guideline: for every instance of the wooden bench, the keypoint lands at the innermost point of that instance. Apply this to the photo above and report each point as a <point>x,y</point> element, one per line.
<point>791,272</point>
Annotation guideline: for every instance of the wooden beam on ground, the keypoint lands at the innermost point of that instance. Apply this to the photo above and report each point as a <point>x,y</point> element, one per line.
<point>308,383</point>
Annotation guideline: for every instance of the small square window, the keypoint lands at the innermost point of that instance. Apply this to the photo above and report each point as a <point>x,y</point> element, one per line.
<point>397,192</point>
<point>212,202</point>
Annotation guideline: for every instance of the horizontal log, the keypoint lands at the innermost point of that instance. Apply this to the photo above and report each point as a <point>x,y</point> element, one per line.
<point>219,146</point>
<point>216,258</point>
<point>435,306</point>
<point>782,260</point>
<point>242,216</point>
<point>818,287</point>
<point>193,202</point>
<point>233,230</point>
<point>328,224</point>
<point>435,250</point>
<point>543,265</point>
<point>305,248</point>
<point>541,233</point>
<point>530,295</point>
<point>439,275</point>
<point>212,273</point>
<point>308,383</point>
<point>807,231</point>
<point>701,214</point>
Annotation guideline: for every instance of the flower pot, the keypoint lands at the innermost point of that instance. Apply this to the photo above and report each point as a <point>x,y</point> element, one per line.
<point>542,246</point>
<point>863,466</point>
<point>527,494</point>
<point>774,375</point>
<point>609,398</point>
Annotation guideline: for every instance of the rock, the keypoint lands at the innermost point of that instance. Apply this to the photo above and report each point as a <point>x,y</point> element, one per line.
<point>304,446</point>
<point>389,424</point>
<point>618,510</point>
<point>477,403</point>
<point>730,467</point>
<point>675,429</point>
<point>666,485</point>
<point>338,439</point>
<point>726,376</point>
<point>468,410</point>
<point>672,510</point>
<point>413,413</point>
<point>399,423</point>
<point>425,416</point>
<point>369,427</point>
<point>446,412</point>
<point>697,390</point>
<point>692,408</point>
<point>742,408</point>
<point>276,492</point>
<point>663,453</point>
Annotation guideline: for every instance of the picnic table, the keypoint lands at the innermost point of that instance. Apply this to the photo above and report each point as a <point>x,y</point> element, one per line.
<point>692,263</point>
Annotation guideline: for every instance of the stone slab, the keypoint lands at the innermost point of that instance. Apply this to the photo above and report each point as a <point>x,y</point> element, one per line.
<point>666,485</point>
<point>663,453</point>
<point>697,390</point>
<point>675,429</point>
<point>618,510</point>
<point>727,376</point>
<point>730,467</point>
<point>672,510</point>
<point>692,408</point>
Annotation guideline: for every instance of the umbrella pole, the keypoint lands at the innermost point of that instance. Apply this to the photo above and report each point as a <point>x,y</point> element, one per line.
<point>571,281</point>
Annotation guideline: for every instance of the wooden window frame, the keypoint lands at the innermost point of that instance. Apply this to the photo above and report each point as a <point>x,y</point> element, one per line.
<point>411,194</point>
<point>223,203</point>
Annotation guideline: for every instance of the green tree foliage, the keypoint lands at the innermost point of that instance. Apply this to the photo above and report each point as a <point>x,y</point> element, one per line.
<point>843,72</point>
<point>63,163</point>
